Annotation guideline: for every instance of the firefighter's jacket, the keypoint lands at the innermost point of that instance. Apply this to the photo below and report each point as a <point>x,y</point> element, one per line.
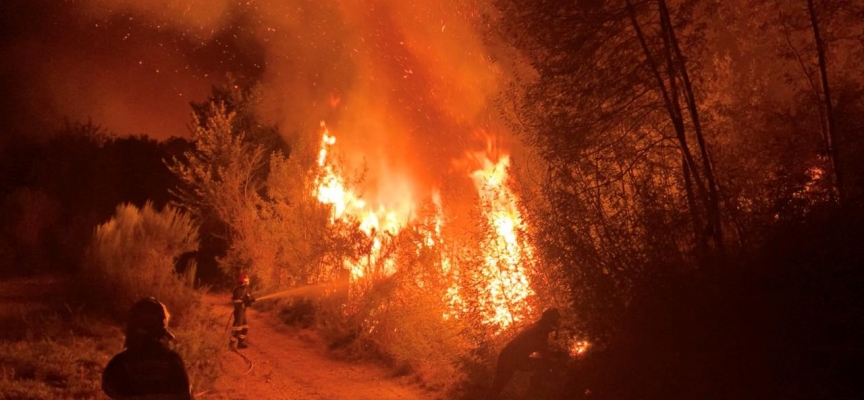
<point>242,299</point>
<point>149,370</point>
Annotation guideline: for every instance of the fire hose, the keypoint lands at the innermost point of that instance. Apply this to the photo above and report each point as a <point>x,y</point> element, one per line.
<point>234,349</point>
<point>265,297</point>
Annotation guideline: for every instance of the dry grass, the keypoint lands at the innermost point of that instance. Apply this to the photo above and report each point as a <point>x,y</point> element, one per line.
<point>51,350</point>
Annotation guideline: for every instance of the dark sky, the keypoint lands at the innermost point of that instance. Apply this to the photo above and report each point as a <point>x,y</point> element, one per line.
<point>405,85</point>
<point>63,60</point>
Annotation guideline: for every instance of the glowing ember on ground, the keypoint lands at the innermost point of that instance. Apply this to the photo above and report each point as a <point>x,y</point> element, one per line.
<point>579,347</point>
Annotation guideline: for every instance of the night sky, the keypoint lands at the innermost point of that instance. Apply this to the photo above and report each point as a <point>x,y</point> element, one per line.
<point>398,82</point>
<point>124,71</point>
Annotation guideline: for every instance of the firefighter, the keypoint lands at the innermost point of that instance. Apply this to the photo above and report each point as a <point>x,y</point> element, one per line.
<point>242,299</point>
<point>516,355</point>
<point>147,368</point>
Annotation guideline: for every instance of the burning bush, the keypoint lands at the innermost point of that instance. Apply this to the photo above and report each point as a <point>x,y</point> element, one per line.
<point>437,308</point>
<point>404,317</point>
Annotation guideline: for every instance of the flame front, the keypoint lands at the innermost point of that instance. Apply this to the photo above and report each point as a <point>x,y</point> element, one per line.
<point>506,254</point>
<point>330,188</point>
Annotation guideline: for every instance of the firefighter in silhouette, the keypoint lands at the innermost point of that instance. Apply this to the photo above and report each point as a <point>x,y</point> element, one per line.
<point>242,299</point>
<point>147,368</point>
<point>517,354</point>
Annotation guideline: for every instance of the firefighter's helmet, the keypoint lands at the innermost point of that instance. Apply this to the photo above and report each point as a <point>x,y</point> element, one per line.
<point>551,316</point>
<point>242,279</point>
<point>149,318</point>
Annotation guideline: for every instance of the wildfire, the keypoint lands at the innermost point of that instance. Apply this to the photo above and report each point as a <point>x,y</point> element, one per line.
<point>330,188</point>
<point>505,254</point>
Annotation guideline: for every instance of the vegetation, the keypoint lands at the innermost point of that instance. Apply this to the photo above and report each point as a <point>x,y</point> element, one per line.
<point>284,237</point>
<point>57,190</point>
<point>694,203</point>
<point>241,181</point>
<point>685,187</point>
<point>133,256</point>
<point>58,358</point>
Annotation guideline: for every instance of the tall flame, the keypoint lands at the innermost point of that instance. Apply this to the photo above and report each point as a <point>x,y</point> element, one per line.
<point>506,253</point>
<point>330,188</point>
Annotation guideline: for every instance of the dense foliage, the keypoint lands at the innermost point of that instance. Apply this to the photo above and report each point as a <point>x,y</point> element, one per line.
<point>694,149</point>
<point>56,190</point>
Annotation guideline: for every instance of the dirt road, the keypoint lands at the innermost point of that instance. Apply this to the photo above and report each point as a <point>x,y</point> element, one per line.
<point>287,366</point>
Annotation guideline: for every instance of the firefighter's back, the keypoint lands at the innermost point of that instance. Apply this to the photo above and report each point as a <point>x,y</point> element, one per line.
<point>153,371</point>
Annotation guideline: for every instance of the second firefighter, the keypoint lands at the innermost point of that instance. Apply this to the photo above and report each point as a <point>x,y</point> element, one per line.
<point>242,299</point>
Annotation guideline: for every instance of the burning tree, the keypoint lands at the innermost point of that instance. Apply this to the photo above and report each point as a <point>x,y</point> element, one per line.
<point>411,286</point>
<point>245,180</point>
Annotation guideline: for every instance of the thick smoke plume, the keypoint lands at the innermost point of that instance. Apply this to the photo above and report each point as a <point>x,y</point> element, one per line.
<point>404,85</point>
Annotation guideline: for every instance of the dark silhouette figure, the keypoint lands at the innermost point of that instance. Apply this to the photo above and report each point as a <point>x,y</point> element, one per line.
<point>516,355</point>
<point>242,299</point>
<point>147,368</point>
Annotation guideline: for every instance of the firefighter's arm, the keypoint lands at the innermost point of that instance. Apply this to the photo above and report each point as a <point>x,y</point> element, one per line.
<point>183,387</point>
<point>549,350</point>
<point>249,299</point>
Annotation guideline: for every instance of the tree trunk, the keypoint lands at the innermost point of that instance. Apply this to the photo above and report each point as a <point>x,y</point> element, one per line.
<point>713,204</point>
<point>670,98</point>
<point>828,108</point>
<point>698,234</point>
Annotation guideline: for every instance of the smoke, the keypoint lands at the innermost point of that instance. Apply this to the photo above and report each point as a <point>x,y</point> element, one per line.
<point>63,61</point>
<point>404,85</point>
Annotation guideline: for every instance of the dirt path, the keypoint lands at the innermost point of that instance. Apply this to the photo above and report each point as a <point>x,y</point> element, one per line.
<point>286,366</point>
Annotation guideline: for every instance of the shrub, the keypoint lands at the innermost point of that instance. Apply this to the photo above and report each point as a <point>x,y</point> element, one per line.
<point>133,256</point>
<point>400,318</point>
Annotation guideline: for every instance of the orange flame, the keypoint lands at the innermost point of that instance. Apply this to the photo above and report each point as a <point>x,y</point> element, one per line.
<point>330,189</point>
<point>506,253</point>
<point>579,347</point>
